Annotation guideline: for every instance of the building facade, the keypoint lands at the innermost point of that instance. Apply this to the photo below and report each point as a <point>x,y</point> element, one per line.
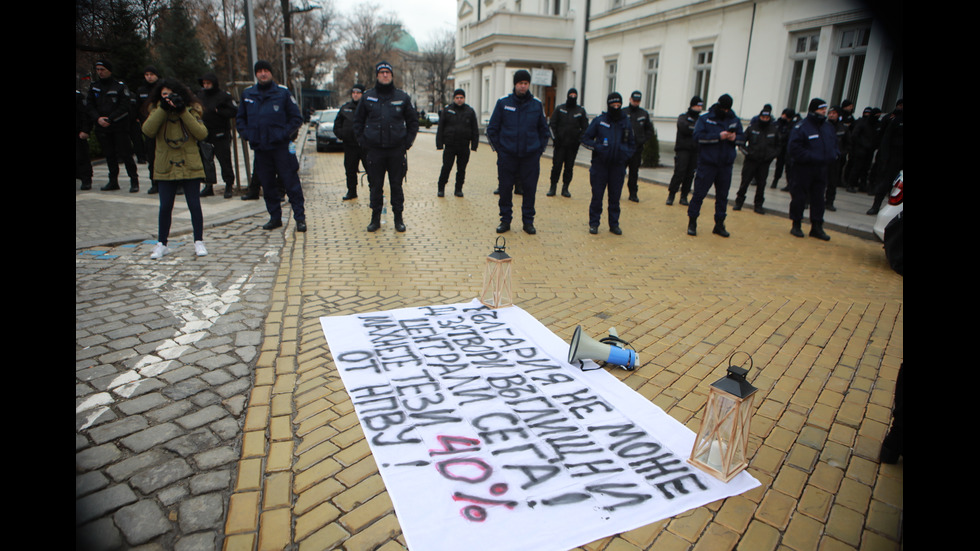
<point>780,52</point>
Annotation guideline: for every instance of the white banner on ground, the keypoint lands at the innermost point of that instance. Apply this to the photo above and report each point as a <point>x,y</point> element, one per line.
<point>485,436</point>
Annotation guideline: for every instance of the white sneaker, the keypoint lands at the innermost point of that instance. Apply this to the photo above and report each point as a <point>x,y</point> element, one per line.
<point>199,248</point>
<point>159,250</point>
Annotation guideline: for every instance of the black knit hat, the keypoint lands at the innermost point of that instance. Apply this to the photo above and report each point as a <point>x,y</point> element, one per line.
<point>359,87</point>
<point>725,101</point>
<point>150,69</point>
<point>383,65</point>
<point>614,97</point>
<point>105,63</point>
<point>696,100</point>
<point>262,64</point>
<point>522,76</point>
<point>636,95</point>
<point>816,103</point>
<point>766,110</point>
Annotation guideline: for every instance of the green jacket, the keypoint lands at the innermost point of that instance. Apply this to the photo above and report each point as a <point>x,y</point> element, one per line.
<point>176,137</point>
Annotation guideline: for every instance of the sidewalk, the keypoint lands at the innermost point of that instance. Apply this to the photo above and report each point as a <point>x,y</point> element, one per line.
<point>823,322</point>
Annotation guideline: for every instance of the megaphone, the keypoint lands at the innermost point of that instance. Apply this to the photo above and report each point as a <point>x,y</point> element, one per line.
<point>606,349</point>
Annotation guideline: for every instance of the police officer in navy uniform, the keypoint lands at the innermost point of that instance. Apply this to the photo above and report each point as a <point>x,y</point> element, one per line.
<point>110,107</point>
<point>685,152</point>
<point>268,118</point>
<point>718,134</point>
<point>343,127</point>
<point>458,133</point>
<point>761,147</point>
<point>568,123</point>
<point>812,148</point>
<point>610,137</point>
<point>385,125</point>
<point>518,132</point>
<point>644,131</point>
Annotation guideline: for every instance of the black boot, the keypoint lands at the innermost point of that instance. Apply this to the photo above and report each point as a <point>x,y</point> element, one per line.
<point>441,191</point>
<point>553,189</point>
<point>797,229</point>
<point>684,199</point>
<point>719,228</point>
<point>816,230</point>
<point>86,184</point>
<point>375,221</point>
<point>228,191</point>
<point>564,191</point>
<point>459,190</point>
<point>670,198</point>
<point>692,225</point>
<point>208,190</point>
<point>111,186</point>
<point>399,223</point>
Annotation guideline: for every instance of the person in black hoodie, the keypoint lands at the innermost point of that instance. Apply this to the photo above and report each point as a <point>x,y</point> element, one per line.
<point>761,146</point>
<point>343,127</point>
<point>568,123</point>
<point>458,133</point>
<point>219,109</point>
<point>644,131</point>
<point>685,152</point>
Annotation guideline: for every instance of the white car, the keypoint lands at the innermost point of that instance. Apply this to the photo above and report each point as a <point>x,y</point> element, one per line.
<point>892,207</point>
<point>325,137</point>
<point>433,117</point>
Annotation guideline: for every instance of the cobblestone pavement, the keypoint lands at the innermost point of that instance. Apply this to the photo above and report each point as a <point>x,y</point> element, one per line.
<point>175,451</point>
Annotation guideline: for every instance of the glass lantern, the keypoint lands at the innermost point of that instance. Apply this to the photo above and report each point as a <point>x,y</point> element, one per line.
<point>720,448</point>
<point>496,278</point>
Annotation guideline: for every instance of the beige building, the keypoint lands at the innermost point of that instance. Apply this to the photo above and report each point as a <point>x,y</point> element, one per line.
<point>781,52</point>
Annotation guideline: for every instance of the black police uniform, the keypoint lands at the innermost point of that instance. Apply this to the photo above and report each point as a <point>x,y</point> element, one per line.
<point>458,134</point>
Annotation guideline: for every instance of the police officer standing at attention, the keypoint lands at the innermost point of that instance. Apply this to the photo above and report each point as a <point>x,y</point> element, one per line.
<point>812,148</point>
<point>385,125</point>
<point>518,132</point>
<point>718,134</point>
<point>643,130</point>
<point>109,106</point>
<point>150,78</point>
<point>343,127</point>
<point>219,109</point>
<point>610,137</point>
<point>457,134</point>
<point>268,118</point>
<point>568,124</point>
<point>685,152</point>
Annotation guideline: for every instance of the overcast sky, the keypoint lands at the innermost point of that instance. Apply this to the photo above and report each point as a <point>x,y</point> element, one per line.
<point>422,18</point>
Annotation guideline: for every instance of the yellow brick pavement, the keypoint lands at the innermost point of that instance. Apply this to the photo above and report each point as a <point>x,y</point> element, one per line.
<point>823,322</point>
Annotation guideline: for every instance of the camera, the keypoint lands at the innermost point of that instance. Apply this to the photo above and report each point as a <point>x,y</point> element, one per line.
<point>173,102</point>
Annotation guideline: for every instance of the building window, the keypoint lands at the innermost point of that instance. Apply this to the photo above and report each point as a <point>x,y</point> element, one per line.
<point>851,49</point>
<point>803,56</point>
<point>703,58</point>
<point>610,76</point>
<point>651,64</point>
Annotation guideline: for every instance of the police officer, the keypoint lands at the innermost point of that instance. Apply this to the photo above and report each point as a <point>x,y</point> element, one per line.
<point>610,137</point>
<point>268,118</point>
<point>518,132</point>
<point>110,107</point>
<point>568,123</point>
<point>219,109</point>
<point>343,127</point>
<point>761,147</point>
<point>718,134</point>
<point>458,133</point>
<point>150,77</point>
<point>644,131</point>
<point>685,152</point>
<point>385,125</point>
<point>812,148</point>
<point>784,124</point>
<point>835,119</point>
<point>891,155</point>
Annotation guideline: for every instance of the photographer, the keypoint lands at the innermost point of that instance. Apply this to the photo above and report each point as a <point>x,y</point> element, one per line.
<point>176,127</point>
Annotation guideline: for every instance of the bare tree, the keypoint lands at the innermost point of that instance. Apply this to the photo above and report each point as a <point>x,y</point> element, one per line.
<point>435,65</point>
<point>316,36</point>
<point>368,39</point>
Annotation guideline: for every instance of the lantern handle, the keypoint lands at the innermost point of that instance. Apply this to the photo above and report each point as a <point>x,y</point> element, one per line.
<point>496,244</point>
<point>733,355</point>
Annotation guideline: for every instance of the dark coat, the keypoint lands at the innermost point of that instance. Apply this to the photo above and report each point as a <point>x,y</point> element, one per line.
<point>518,126</point>
<point>458,128</point>
<point>385,119</point>
<point>268,116</point>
